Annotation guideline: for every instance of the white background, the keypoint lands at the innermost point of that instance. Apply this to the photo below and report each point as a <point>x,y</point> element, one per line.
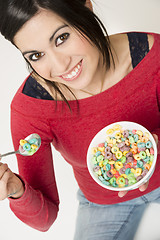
<point>118,16</point>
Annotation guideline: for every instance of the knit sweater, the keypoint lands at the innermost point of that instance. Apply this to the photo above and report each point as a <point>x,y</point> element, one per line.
<point>134,98</point>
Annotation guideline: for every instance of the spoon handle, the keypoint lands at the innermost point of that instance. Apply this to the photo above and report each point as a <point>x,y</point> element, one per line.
<point>9,153</point>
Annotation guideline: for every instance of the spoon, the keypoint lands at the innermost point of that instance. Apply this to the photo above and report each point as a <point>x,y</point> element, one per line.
<point>27,147</point>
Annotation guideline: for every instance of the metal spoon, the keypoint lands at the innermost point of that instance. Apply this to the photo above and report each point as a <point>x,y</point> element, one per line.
<point>21,150</point>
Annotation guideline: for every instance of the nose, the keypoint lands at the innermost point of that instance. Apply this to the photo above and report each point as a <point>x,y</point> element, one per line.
<point>59,63</point>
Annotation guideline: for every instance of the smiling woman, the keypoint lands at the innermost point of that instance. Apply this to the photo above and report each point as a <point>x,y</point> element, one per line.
<point>103,79</point>
<point>76,26</point>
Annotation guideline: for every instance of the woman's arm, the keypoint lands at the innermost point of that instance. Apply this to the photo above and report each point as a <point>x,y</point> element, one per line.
<point>38,206</point>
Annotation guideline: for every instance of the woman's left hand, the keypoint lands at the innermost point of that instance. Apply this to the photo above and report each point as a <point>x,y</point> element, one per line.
<point>143,187</point>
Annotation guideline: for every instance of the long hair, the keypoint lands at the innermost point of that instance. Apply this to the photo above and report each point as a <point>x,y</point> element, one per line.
<point>15,13</point>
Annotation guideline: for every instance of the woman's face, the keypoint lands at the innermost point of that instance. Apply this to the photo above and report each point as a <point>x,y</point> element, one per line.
<point>57,52</point>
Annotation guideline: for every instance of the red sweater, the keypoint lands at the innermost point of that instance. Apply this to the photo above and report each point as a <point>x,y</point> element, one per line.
<point>135,98</point>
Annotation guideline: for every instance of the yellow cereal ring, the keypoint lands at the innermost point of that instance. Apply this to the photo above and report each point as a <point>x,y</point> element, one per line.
<point>118,154</point>
<point>124,175</point>
<point>137,157</point>
<point>118,165</point>
<point>117,127</point>
<point>114,141</point>
<point>139,132</point>
<point>33,146</point>
<point>108,139</point>
<point>111,162</point>
<point>146,135</point>
<point>22,142</point>
<point>101,149</point>
<point>145,139</point>
<point>125,152</point>
<point>148,152</point>
<point>138,172</point>
<point>118,140</point>
<point>118,135</point>
<point>110,131</point>
<point>94,150</point>
<point>114,149</point>
<point>101,163</point>
<point>133,170</point>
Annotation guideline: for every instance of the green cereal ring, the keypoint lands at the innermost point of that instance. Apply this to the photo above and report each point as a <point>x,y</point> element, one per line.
<point>139,163</point>
<point>113,179</point>
<point>100,158</point>
<point>132,181</point>
<point>131,139</point>
<point>123,159</point>
<point>130,175</point>
<point>101,178</point>
<point>114,184</point>
<point>123,139</point>
<point>148,144</point>
<point>151,158</point>
<point>27,147</point>
<point>105,161</point>
<point>94,160</point>
<point>31,152</point>
<point>106,183</point>
<point>121,181</point>
<point>106,177</point>
<point>146,159</point>
<point>142,155</point>
<point>33,141</point>
<point>108,167</point>
<point>128,171</point>
<point>141,145</point>
<point>136,137</point>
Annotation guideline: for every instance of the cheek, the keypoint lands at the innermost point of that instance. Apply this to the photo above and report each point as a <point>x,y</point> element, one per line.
<point>42,69</point>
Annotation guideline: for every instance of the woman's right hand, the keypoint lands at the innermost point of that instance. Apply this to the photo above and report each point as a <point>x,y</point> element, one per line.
<point>10,184</point>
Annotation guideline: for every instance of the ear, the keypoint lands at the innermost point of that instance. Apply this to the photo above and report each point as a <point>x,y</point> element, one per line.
<point>89,4</point>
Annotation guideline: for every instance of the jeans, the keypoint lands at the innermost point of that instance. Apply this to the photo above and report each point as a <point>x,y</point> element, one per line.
<point>111,222</point>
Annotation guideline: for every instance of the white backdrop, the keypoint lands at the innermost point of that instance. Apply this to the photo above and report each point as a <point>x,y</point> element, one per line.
<point>118,16</point>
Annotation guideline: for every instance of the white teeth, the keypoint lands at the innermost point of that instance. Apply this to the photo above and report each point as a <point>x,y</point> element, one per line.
<point>73,73</point>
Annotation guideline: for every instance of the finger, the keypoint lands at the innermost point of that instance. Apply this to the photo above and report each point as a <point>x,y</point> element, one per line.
<point>143,187</point>
<point>3,169</point>
<point>122,193</point>
<point>155,138</point>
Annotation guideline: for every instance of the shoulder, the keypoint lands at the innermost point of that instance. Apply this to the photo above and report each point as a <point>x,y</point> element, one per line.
<point>120,40</point>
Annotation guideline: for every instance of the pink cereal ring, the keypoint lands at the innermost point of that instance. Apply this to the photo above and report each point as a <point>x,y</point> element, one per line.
<point>101,145</point>
<point>134,131</point>
<point>151,151</point>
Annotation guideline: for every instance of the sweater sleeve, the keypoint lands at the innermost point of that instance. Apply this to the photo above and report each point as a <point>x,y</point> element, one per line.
<point>38,207</point>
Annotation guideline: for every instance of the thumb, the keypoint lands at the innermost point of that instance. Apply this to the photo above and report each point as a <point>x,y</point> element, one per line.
<point>122,193</point>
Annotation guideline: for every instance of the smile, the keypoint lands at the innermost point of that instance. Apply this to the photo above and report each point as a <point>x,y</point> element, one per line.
<point>74,73</point>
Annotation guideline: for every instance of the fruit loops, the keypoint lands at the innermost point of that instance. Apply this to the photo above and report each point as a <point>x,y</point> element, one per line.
<point>30,147</point>
<point>124,158</point>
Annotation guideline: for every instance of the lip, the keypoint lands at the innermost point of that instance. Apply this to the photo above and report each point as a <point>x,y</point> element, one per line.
<point>64,77</point>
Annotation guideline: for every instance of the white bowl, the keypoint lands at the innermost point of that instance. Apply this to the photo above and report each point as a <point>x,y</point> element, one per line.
<point>100,137</point>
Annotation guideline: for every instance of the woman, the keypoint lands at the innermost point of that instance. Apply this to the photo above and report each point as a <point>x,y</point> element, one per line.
<point>81,80</point>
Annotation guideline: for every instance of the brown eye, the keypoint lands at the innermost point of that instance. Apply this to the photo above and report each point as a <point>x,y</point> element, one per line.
<point>36,56</point>
<point>61,39</point>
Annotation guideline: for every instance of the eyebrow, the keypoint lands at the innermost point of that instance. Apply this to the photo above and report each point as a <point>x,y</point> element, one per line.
<point>50,39</point>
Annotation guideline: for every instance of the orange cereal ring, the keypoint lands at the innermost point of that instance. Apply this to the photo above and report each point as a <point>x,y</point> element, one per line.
<point>113,171</point>
<point>147,166</point>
